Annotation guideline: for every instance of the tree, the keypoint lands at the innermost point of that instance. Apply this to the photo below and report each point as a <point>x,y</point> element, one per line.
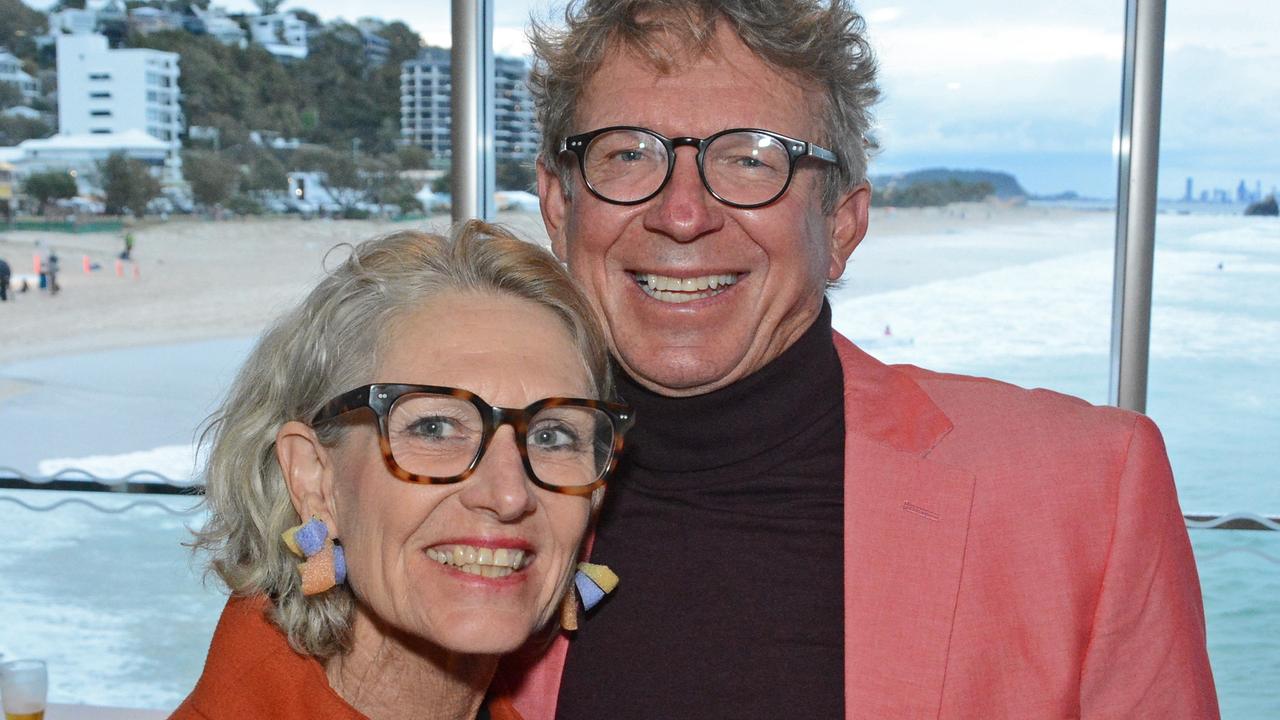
<point>413,157</point>
<point>405,43</point>
<point>19,26</point>
<point>53,185</point>
<point>14,130</point>
<point>1266,206</point>
<point>10,95</point>
<point>128,185</point>
<point>444,183</point>
<point>342,178</point>
<point>268,7</point>
<point>212,176</point>
<point>514,175</point>
<point>266,172</point>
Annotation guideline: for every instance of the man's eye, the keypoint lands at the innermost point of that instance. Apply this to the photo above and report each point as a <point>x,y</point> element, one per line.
<point>629,156</point>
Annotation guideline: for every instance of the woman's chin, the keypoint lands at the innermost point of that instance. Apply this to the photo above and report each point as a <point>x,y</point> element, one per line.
<point>485,634</point>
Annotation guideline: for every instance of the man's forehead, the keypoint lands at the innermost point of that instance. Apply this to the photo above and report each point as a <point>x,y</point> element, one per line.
<point>634,86</point>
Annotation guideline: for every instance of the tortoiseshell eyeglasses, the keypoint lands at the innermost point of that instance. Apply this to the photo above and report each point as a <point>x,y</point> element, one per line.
<point>437,435</point>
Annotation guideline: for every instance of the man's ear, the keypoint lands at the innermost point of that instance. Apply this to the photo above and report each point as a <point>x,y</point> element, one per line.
<point>308,471</point>
<point>848,227</point>
<point>554,203</point>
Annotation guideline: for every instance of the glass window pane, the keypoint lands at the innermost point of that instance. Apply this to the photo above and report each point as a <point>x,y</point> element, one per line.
<point>990,249</point>
<point>1214,383</point>
<point>300,149</point>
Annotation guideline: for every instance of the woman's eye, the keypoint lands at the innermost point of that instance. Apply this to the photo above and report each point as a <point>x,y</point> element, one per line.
<point>435,428</point>
<point>553,437</point>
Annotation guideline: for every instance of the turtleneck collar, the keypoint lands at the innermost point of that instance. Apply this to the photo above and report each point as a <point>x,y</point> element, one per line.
<point>749,418</point>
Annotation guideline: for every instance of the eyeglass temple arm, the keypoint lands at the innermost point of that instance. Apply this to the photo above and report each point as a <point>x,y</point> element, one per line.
<point>821,153</point>
<point>345,403</point>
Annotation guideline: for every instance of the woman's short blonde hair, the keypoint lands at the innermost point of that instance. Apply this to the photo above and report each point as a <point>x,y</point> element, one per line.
<point>820,43</point>
<point>325,346</point>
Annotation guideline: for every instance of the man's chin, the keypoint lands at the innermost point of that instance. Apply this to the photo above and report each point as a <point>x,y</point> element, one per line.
<point>679,373</point>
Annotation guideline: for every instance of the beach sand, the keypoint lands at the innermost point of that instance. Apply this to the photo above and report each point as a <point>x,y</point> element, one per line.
<point>193,279</point>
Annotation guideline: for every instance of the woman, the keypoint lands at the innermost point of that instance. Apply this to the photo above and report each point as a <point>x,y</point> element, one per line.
<point>410,431</point>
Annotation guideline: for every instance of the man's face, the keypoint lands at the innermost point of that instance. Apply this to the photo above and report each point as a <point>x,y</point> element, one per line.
<point>737,286</point>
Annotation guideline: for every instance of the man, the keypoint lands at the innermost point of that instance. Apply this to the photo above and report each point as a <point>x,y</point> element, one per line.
<point>800,530</point>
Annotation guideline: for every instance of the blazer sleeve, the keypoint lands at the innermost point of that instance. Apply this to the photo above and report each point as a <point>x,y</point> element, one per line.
<point>1146,655</point>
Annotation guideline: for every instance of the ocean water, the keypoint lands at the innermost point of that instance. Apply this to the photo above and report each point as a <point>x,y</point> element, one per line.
<point>123,613</point>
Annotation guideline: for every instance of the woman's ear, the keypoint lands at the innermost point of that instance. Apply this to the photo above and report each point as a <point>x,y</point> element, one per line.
<point>307,468</point>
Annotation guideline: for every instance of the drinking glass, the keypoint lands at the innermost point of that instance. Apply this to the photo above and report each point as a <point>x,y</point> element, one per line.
<point>23,687</point>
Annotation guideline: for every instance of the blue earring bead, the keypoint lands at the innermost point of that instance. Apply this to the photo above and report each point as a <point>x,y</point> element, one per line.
<point>339,564</point>
<point>307,539</point>
<point>593,583</point>
<point>311,536</point>
<point>587,590</point>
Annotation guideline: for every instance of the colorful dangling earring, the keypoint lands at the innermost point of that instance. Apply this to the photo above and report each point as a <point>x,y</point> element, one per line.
<point>590,584</point>
<point>325,563</point>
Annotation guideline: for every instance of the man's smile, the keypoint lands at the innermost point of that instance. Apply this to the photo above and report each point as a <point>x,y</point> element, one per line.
<point>670,289</point>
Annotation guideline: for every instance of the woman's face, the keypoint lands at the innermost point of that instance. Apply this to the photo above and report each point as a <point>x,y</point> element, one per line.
<point>510,352</point>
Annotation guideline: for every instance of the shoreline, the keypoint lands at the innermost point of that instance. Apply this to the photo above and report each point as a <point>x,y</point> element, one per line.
<point>194,279</point>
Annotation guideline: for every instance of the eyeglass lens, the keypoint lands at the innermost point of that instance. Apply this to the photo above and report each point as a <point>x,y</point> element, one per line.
<point>740,167</point>
<point>440,435</point>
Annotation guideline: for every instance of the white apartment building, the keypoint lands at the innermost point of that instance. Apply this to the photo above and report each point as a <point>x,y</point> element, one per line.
<point>103,92</point>
<point>282,34</point>
<point>425,89</point>
<point>425,117</point>
<point>73,21</point>
<point>515,135</point>
<point>11,72</point>
<point>219,26</point>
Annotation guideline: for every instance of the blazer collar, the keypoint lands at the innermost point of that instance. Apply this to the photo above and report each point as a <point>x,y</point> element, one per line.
<point>884,406</point>
<point>906,524</point>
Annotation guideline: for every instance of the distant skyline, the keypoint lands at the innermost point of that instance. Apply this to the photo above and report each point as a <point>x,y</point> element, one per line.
<point>1029,90</point>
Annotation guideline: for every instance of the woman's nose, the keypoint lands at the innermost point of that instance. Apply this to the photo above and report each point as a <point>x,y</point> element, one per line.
<point>500,486</point>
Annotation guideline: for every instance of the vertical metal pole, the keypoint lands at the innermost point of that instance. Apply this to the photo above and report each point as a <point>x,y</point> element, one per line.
<point>472,99</point>
<point>1136,202</point>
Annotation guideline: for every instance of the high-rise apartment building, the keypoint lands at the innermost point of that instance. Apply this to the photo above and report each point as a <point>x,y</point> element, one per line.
<point>103,91</point>
<point>515,135</point>
<point>425,116</point>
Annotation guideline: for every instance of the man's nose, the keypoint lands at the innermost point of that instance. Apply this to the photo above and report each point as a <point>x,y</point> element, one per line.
<point>500,487</point>
<point>684,210</point>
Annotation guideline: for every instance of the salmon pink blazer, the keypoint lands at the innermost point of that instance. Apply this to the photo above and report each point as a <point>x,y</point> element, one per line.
<point>1008,553</point>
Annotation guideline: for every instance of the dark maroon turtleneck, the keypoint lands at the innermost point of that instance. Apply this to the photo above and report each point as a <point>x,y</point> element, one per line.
<point>725,525</point>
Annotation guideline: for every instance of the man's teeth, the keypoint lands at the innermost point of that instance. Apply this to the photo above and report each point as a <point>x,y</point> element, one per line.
<point>678,290</point>
<point>487,562</point>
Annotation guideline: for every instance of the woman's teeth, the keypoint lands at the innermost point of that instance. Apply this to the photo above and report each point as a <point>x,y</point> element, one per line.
<point>679,290</point>
<point>483,561</point>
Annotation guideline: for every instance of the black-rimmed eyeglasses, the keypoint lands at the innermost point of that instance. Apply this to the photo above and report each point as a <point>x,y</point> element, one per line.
<point>437,435</point>
<point>742,167</point>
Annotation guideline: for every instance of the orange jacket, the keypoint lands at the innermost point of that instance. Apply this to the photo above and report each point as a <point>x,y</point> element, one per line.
<point>1008,553</point>
<point>252,673</point>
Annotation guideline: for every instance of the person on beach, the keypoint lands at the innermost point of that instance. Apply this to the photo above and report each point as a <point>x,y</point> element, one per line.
<point>400,480</point>
<point>5,274</point>
<point>805,532</point>
<point>51,272</point>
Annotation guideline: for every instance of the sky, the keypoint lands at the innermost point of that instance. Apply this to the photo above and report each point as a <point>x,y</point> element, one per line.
<point>1031,88</point>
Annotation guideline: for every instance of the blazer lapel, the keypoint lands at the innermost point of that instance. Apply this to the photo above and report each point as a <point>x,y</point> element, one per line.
<point>906,522</point>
